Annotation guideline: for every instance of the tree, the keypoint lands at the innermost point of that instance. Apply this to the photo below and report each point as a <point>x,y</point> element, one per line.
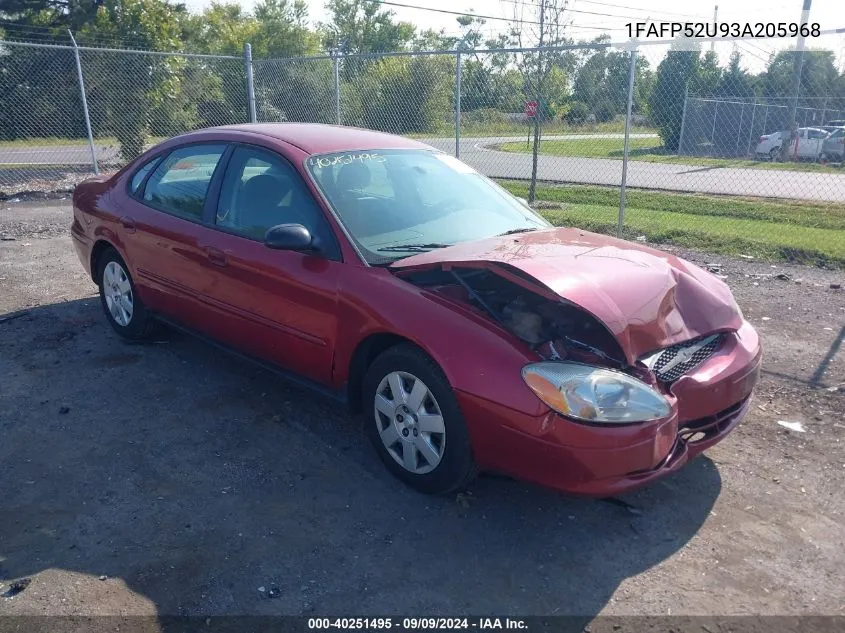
<point>132,86</point>
<point>541,23</point>
<point>59,15</point>
<point>601,81</point>
<point>666,102</point>
<point>358,26</point>
<point>817,81</point>
<point>708,74</point>
<point>736,83</point>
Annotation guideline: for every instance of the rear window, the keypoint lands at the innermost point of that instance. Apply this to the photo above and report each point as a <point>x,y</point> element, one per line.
<point>139,176</point>
<point>180,182</point>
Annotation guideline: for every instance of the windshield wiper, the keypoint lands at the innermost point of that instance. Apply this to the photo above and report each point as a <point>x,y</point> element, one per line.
<point>410,248</point>
<point>524,229</point>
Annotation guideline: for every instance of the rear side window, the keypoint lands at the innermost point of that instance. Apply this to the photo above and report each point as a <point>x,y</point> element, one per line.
<point>180,182</point>
<point>139,176</point>
<point>817,134</point>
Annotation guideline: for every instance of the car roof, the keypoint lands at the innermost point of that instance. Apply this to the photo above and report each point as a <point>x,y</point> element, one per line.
<point>318,138</point>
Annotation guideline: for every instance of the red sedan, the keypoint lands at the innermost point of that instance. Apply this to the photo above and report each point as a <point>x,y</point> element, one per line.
<point>468,332</point>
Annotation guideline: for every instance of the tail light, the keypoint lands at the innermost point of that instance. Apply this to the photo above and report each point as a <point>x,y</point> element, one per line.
<point>762,138</point>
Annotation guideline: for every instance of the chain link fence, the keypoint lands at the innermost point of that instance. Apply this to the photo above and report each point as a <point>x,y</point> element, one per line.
<point>597,135</point>
<point>51,137</point>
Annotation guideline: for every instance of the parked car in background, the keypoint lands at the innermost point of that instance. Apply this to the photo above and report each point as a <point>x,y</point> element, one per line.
<point>808,146</point>
<point>833,147</point>
<point>466,331</point>
<point>835,123</point>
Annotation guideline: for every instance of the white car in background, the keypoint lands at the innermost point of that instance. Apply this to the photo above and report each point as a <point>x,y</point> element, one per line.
<point>807,147</point>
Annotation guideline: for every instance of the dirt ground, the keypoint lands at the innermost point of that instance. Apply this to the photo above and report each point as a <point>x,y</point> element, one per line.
<point>171,478</point>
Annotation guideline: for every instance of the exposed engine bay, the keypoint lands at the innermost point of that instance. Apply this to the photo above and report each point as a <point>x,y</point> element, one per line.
<point>554,329</point>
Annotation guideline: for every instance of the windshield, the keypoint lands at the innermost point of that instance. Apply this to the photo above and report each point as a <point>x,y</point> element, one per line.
<point>395,203</point>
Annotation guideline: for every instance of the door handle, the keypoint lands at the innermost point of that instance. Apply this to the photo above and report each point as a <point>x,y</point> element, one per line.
<point>216,256</point>
<point>128,224</point>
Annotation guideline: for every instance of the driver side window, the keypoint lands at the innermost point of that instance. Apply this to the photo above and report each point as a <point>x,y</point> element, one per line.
<point>261,190</point>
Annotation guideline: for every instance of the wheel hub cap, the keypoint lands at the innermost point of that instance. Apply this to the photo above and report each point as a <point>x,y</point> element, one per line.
<point>409,422</point>
<point>118,293</point>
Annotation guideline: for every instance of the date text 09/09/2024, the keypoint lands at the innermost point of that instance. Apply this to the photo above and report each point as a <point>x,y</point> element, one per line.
<point>413,624</point>
<point>722,29</point>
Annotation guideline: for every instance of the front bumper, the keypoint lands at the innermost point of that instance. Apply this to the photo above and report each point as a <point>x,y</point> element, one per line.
<point>601,460</point>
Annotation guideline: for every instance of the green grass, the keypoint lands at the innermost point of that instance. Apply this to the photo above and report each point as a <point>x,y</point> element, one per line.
<point>767,229</point>
<point>52,141</point>
<point>517,128</point>
<point>644,149</point>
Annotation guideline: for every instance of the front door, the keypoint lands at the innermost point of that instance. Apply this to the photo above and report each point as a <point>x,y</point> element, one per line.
<point>282,304</point>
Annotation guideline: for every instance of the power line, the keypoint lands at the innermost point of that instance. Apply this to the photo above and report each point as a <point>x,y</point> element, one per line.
<point>446,11</point>
<point>651,11</point>
<point>493,17</point>
<point>604,15</point>
<point>48,35</point>
<point>759,48</point>
<point>750,52</point>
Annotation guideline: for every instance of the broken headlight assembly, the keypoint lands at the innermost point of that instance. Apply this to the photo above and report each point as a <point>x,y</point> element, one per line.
<point>593,394</point>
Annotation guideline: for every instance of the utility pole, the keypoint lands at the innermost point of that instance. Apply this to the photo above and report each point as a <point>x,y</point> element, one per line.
<point>716,25</point>
<point>798,64</point>
<point>532,187</point>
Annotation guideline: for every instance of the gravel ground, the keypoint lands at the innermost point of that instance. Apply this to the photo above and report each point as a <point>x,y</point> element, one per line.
<point>170,478</point>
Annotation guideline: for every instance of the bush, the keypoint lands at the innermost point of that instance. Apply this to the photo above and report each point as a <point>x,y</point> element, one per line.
<point>604,112</point>
<point>484,116</point>
<point>577,113</point>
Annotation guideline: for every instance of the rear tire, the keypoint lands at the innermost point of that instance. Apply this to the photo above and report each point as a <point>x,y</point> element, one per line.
<point>412,418</point>
<point>124,309</point>
<point>774,154</point>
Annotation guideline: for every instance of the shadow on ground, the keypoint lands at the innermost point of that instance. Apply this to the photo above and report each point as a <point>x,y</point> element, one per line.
<point>197,479</point>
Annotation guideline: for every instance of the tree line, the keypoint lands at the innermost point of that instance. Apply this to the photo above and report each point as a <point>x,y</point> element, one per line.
<point>133,97</point>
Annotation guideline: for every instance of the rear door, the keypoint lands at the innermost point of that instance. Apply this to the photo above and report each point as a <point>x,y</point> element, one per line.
<point>163,222</point>
<point>834,145</point>
<point>281,305</point>
<point>811,147</point>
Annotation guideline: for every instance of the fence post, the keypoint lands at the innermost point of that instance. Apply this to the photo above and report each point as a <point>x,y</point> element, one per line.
<point>713,129</point>
<point>250,82</point>
<point>336,65</point>
<point>458,101</point>
<point>765,118</point>
<point>683,119</point>
<point>751,129</point>
<point>741,114</point>
<point>84,103</point>
<point>631,69</point>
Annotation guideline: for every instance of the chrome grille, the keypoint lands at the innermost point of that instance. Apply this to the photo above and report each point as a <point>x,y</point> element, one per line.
<point>673,362</point>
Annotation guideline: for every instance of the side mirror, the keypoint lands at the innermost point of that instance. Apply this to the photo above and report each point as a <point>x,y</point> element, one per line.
<point>289,237</point>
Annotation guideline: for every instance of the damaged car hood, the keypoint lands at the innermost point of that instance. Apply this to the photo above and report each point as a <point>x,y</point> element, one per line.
<point>648,299</point>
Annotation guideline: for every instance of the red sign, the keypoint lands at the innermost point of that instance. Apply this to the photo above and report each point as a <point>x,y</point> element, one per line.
<point>530,109</point>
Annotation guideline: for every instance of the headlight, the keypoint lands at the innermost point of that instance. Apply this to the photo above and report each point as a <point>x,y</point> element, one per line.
<point>589,393</point>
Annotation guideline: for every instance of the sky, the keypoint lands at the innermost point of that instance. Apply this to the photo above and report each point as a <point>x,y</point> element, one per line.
<point>589,18</point>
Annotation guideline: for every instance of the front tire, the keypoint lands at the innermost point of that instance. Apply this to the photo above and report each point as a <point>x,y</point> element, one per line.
<point>124,309</point>
<point>411,416</point>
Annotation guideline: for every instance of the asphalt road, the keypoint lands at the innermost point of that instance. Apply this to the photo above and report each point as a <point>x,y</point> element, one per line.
<point>80,154</point>
<point>477,152</point>
<point>766,183</point>
<point>172,479</point>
